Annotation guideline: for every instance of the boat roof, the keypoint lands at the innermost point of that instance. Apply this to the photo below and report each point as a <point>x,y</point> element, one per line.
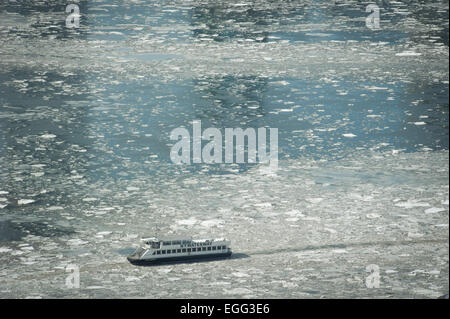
<point>167,238</point>
<point>181,238</point>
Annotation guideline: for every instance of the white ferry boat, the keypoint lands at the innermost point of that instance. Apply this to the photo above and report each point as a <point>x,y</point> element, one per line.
<point>155,250</point>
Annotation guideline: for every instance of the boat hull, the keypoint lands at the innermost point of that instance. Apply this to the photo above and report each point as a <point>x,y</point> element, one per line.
<point>136,261</point>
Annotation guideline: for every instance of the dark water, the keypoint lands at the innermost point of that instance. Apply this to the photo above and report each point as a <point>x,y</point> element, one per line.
<point>362,116</point>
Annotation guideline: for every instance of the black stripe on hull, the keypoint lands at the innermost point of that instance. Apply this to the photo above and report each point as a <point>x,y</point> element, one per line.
<point>178,259</point>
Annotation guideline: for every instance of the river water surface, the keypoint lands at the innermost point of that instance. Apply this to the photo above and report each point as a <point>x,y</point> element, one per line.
<point>362,115</point>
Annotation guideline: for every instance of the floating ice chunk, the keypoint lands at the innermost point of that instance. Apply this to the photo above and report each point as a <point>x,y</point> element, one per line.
<point>332,231</point>
<point>104,233</point>
<point>240,274</point>
<point>211,223</point>
<point>237,291</point>
<point>373,216</point>
<point>349,135</point>
<point>76,242</point>
<point>25,201</point>
<point>295,213</point>
<point>315,219</point>
<point>187,222</point>
<point>3,192</point>
<point>263,205</point>
<point>38,174</point>
<point>412,204</point>
<point>5,250</point>
<point>38,165</point>
<point>444,202</point>
<point>375,88</point>
<point>132,188</point>
<point>441,225</point>
<point>314,200</point>
<point>357,196</point>
<point>3,199</point>
<point>408,53</point>
<point>101,212</point>
<point>165,270</point>
<point>219,283</point>
<point>391,271</point>
<point>426,292</point>
<point>419,123</point>
<point>433,210</point>
<point>89,199</point>
<point>281,82</point>
<point>53,208</point>
<point>48,136</point>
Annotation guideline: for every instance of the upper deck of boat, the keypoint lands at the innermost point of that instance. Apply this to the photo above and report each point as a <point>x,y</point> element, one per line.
<point>179,240</point>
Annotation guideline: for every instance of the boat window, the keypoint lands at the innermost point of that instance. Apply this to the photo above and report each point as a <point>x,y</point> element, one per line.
<point>174,251</point>
<point>163,252</point>
<point>214,248</point>
<point>155,245</point>
<point>203,248</point>
<point>189,250</point>
<point>209,248</point>
<point>154,253</point>
<point>158,252</point>
<point>178,250</point>
<point>184,250</point>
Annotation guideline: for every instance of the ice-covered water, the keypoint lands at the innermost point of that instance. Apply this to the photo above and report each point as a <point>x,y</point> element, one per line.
<point>85,118</point>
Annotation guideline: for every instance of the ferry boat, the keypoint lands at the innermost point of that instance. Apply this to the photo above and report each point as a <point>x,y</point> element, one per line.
<point>154,250</point>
